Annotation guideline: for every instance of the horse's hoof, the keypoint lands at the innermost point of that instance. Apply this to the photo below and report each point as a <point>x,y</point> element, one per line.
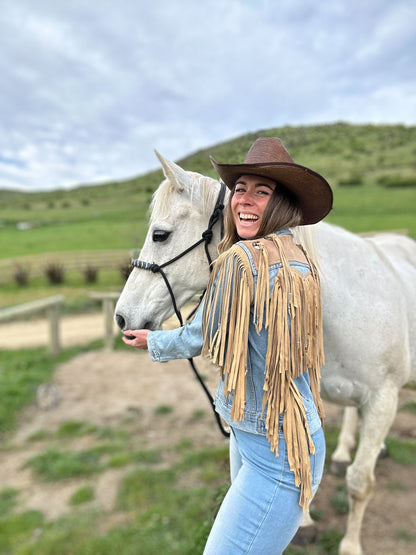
<point>383,453</point>
<point>339,468</point>
<point>305,535</point>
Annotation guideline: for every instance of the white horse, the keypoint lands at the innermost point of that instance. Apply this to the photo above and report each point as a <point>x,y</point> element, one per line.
<point>369,313</point>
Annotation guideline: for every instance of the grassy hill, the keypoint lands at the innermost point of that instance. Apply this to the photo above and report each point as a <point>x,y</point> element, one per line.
<point>367,165</point>
<point>372,169</point>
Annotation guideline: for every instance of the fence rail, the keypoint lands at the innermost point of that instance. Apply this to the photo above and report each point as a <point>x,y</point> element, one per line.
<point>72,261</point>
<point>52,306</point>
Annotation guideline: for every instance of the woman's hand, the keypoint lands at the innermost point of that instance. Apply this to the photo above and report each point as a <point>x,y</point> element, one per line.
<point>136,338</point>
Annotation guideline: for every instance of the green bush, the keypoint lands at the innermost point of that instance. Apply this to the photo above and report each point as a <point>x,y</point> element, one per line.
<point>397,181</point>
<point>21,275</point>
<point>351,180</point>
<point>55,273</point>
<point>90,274</point>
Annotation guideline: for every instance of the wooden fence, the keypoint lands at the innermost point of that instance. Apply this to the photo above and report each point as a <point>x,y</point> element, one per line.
<point>71,261</point>
<point>52,306</point>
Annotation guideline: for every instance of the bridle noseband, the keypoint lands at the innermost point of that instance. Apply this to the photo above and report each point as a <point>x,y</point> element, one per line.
<point>206,238</point>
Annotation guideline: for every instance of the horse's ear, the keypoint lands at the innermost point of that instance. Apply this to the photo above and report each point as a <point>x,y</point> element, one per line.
<point>179,178</point>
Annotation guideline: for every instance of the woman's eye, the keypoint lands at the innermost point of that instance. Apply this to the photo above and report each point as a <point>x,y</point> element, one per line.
<point>160,235</point>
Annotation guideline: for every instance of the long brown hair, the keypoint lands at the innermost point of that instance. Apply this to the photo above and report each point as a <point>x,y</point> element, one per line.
<point>281,211</point>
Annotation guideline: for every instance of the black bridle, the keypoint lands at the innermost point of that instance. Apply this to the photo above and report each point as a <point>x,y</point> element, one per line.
<point>206,238</point>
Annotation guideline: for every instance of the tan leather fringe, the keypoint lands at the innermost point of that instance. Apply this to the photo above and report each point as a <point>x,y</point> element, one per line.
<point>291,350</point>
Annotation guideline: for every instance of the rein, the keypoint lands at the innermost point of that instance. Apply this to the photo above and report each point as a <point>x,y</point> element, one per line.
<point>206,238</point>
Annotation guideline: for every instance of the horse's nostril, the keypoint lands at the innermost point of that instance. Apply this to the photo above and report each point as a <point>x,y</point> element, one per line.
<point>120,321</point>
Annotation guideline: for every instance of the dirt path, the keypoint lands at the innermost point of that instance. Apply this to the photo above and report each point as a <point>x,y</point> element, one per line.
<point>106,388</point>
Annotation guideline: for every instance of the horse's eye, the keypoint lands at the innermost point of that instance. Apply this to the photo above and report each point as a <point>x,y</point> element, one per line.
<point>160,235</point>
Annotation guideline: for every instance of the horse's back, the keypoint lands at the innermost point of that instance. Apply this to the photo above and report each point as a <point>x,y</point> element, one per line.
<point>398,249</point>
<point>369,308</point>
<point>374,262</point>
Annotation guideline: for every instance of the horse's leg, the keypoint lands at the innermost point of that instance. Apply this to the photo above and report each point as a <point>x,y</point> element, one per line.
<point>377,417</point>
<point>307,531</point>
<point>341,457</point>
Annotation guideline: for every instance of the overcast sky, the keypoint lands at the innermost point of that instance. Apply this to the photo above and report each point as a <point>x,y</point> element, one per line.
<point>90,87</point>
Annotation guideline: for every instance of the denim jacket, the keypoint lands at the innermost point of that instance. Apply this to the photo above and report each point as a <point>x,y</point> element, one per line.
<point>187,341</point>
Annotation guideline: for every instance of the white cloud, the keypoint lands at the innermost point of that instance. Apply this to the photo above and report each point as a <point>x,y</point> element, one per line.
<point>90,89</point>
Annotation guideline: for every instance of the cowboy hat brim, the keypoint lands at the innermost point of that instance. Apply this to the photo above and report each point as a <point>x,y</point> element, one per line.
<point>313,192</point>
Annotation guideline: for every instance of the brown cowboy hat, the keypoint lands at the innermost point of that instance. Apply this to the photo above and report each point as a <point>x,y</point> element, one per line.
<point>268,157</point>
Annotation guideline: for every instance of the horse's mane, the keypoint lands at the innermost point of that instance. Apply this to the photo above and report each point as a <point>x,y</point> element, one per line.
<point>306,236</point>
<point>204,190</point>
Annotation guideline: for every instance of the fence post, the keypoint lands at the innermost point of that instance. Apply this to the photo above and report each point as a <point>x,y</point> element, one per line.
<point>54,313</point>
<point>108,300</point>
<point>108,310</point>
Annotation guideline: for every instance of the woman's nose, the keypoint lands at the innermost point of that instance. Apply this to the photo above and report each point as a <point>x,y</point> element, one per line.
<point>246,198</point>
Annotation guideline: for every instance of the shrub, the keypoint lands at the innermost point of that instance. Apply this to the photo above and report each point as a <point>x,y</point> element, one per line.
<point>125,270</point>
<point>55,273</point>
<point>91,274</point>
<point>21,275</point>
<point>353,179</point>
<point>396,181</point>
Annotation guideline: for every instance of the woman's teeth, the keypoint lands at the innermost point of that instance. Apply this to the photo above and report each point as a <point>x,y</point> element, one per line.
<point>251,217</point>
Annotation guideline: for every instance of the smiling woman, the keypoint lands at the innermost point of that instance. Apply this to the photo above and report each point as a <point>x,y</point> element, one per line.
<point>260,323</point>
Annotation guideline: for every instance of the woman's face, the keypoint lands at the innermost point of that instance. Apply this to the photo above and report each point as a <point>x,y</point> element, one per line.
<point>251,195</point>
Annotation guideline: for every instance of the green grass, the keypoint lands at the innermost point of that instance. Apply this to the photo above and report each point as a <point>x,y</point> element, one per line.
<point>401,451</point>
<point>406,535</point>
<point>54,465</point>
<point>339,499</point>
<point>372,208</point>
<point>74,429</point>
<point>164,409</point>
<point>97,234</point>
<point>8,500</point>
<point>17,530</point>
<point>410,406</point>
<point>83,495</point>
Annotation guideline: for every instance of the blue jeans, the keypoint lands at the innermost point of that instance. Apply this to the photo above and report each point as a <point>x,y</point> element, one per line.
<point>260,513</point>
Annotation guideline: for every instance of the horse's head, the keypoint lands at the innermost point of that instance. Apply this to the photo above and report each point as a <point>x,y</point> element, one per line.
<point>180,211</point>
